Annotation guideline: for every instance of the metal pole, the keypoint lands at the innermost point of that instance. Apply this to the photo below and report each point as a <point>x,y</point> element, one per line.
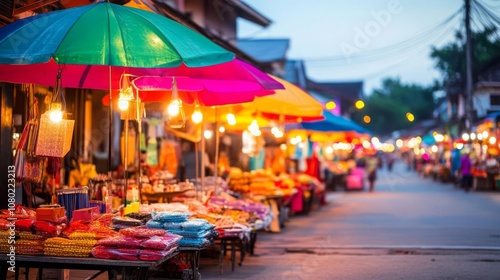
<point>468,61</point>
<point>110,133</point>
<point>139,133</point>
<point>126,161</point>
<point>216,160</point>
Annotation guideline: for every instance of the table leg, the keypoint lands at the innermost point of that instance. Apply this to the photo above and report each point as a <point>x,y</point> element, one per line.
<point>221,256</point>
<point>40,273</point>
<point>253,240</point>
<point>233,254</point>
<point>3,271</point>
<point>242,252</point>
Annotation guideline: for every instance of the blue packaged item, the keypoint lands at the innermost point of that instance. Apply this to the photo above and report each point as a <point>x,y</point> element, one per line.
<point>154,224</point>
<point>175,217</point>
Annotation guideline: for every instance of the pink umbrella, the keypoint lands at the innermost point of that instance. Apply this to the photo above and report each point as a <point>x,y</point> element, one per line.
<point>213,79</point>
<point>207,92</point>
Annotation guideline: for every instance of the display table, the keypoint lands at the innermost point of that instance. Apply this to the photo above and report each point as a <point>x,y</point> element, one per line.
<point>128,269</point>
<point>194,257</point>
<point>161,197</point>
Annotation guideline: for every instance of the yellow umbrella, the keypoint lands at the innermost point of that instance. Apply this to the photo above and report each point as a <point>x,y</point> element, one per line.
<point>291,104</point>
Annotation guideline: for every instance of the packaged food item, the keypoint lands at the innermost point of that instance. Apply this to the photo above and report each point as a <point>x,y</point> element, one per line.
<point>161,242</point>
<point>142,232</point>
<point>25,224</point>
<point>47,228</point>
<point>170,216</point>
<point>115,253</point>
<point>154,255</point>
<point>125,221</point>
<point>120,241</point>
<point>154,224</point>
<point>196,225</point>
<point>198,243</point>
<point>144,217</point>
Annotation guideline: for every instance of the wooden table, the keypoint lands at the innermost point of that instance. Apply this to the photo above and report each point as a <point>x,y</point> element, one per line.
<point>128,269</point>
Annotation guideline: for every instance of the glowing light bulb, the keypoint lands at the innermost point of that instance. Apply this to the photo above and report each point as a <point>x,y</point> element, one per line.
<point>174,108</point>
<point>56,116</point>
<point>197,116</point>
<point>207,134</point>
<point>123,104</point>
<point>231,119</point>
<point>222,129</point>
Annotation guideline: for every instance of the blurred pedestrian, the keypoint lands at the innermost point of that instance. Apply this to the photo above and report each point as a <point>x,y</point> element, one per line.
<point>465,170</point>
<point>372,163</point>
<point>491,170</point>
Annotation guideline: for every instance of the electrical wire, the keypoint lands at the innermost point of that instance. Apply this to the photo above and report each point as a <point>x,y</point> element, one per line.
<point>412,42</point>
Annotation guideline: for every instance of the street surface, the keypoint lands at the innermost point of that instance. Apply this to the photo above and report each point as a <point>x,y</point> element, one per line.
<point>408,228</point>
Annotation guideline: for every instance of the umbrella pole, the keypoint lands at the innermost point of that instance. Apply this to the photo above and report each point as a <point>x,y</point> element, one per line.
<point>126,161</point>
<point>139,133</point>
<point>202,148</point>
<point>196,163</point>
<point>216,160</point>
<point>110,134</point>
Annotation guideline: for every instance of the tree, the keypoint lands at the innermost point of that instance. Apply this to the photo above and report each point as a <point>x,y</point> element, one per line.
<point>450,59</point>
<point>388,106</point>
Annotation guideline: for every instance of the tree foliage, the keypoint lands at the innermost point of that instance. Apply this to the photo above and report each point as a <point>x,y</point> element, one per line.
<point>388,106</point>
<point>450,59</point>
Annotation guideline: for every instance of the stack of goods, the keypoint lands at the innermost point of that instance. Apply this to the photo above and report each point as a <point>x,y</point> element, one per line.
<point>138,243</point>
<point>50,220</point>
<point>238,181</point>
<point>257,214</point>
<point>64,247</point>
<point>262,183</point>
<point>286,184</point>
<point>94,230</point>
<point>26,241</point>
<point>195,232</point>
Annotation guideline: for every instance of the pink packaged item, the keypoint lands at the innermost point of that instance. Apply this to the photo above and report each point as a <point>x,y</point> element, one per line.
<point>161,242</point>
<point>120,241</point>
<point>102,252</point>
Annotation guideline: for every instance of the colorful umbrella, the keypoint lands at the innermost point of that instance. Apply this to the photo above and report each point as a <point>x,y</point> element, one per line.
<point>331,123</point>
<point>100,77</point>
<point>107,34</point>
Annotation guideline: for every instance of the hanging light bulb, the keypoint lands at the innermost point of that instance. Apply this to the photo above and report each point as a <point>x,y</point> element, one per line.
<point>176,117</point>
<point>56,113</point>
<point>197,116</point>
<point>126,93</point>
<point>231,119</point>
<point>57,103</point>
<point>222,129</point>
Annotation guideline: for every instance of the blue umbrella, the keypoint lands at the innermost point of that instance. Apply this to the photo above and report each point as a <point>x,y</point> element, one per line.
<point>331,123</point>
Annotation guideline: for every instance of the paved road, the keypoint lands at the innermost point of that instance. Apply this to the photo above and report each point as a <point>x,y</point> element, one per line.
<point>408,228</point>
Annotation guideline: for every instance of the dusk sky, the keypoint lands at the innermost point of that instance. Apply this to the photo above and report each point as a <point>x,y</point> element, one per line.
<point>361,40</point>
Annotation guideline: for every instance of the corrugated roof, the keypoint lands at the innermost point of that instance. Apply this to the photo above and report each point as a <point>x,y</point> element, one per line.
<point>350,91</point>
<point>265,50</point>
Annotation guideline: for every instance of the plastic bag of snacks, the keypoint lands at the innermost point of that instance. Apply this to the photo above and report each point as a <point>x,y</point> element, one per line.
<point>142,232</point>
<point>82,235</point>
<point>128,254</point>
<point>120,241</point>
<point>193,234</point>
<point>196,225</point>
<point>172,226</point>
<point>154,255</point>
<point>125,221</point>
<point>200,242</point>
<point>154,224</point>
<point>25,225</point>
<point>141,216</point>
<point>47,228</point>
<point>170,216</point>
<point>161,242</point>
